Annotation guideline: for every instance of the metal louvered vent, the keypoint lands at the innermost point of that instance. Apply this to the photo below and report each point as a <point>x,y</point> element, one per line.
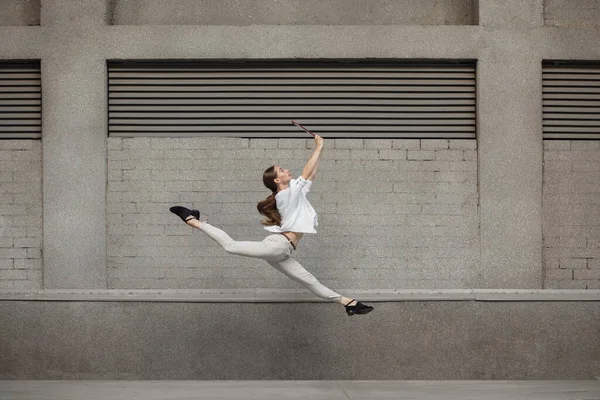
<point>259,98</point>
<point>571,100</point>
<point>20,100</point>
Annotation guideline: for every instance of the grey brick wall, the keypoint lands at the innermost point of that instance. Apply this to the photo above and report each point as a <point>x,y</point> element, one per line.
<point>392,213</point>
<point>20,214</point>
<point>571,214</point>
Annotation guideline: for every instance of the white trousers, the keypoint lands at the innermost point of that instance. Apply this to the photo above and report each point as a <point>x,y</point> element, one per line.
<point>277,251</point>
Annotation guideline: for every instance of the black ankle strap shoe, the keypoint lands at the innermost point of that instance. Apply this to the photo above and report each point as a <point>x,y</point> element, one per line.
<point>358,308</point>
<point>185,213</point>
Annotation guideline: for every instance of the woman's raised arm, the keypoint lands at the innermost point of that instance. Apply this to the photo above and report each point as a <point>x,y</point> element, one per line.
<point>311,165</point>
<point>314,173</point>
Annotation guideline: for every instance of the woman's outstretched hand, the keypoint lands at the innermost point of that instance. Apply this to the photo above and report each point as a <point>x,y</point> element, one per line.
<point>319,141</point>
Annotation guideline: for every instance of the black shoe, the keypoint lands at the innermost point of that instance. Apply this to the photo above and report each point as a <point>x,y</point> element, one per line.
<point>185,213</point>
<point>358,308</point>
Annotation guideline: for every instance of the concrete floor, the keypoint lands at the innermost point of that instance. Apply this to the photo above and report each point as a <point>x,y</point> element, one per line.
<point>314,390</point>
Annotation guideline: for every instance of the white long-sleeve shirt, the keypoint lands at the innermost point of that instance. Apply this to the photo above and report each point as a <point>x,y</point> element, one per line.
<point>297,215</point>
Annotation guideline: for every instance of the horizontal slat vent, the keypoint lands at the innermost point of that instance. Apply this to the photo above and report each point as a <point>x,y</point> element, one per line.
<point>20,100</point>
<point>571,100</point>
<point>260,98</point>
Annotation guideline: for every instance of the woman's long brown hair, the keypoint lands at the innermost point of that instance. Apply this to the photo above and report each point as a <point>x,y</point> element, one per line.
<point>268,207</point>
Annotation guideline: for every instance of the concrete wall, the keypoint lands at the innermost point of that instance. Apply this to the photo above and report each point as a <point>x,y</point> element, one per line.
<point>411,340</point>
<point>20,214</point>
<point>575,14</point>
<point>428,340</point>
<point>19,12</point>
<point>572,214</point>
<point>290,12</point>
<point>392,213</point>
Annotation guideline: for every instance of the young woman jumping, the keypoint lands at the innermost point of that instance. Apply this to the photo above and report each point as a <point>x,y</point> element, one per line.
<point>289,215</point>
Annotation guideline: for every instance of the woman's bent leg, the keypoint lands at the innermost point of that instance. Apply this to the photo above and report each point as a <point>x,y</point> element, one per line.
<point>248,249</point>
<point>297,272</point>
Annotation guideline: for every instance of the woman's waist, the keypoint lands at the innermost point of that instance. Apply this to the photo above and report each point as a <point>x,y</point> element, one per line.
<point>293,237</point>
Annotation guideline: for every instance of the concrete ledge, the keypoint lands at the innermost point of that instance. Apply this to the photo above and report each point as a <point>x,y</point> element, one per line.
<point>297,296</point>
<point>294,389</point>
<point>536,295</point>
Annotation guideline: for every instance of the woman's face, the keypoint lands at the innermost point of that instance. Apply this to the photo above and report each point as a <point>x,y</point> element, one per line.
<point>283,175</point>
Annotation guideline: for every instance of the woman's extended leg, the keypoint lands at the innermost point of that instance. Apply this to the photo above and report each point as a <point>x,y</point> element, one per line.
<point>271,252</point>
<point>288,266</point>
<point>297,272</point>
<point>248,249</point>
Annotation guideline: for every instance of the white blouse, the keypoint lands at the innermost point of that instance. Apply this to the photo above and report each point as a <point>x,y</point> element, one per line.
<point>297,215</point>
